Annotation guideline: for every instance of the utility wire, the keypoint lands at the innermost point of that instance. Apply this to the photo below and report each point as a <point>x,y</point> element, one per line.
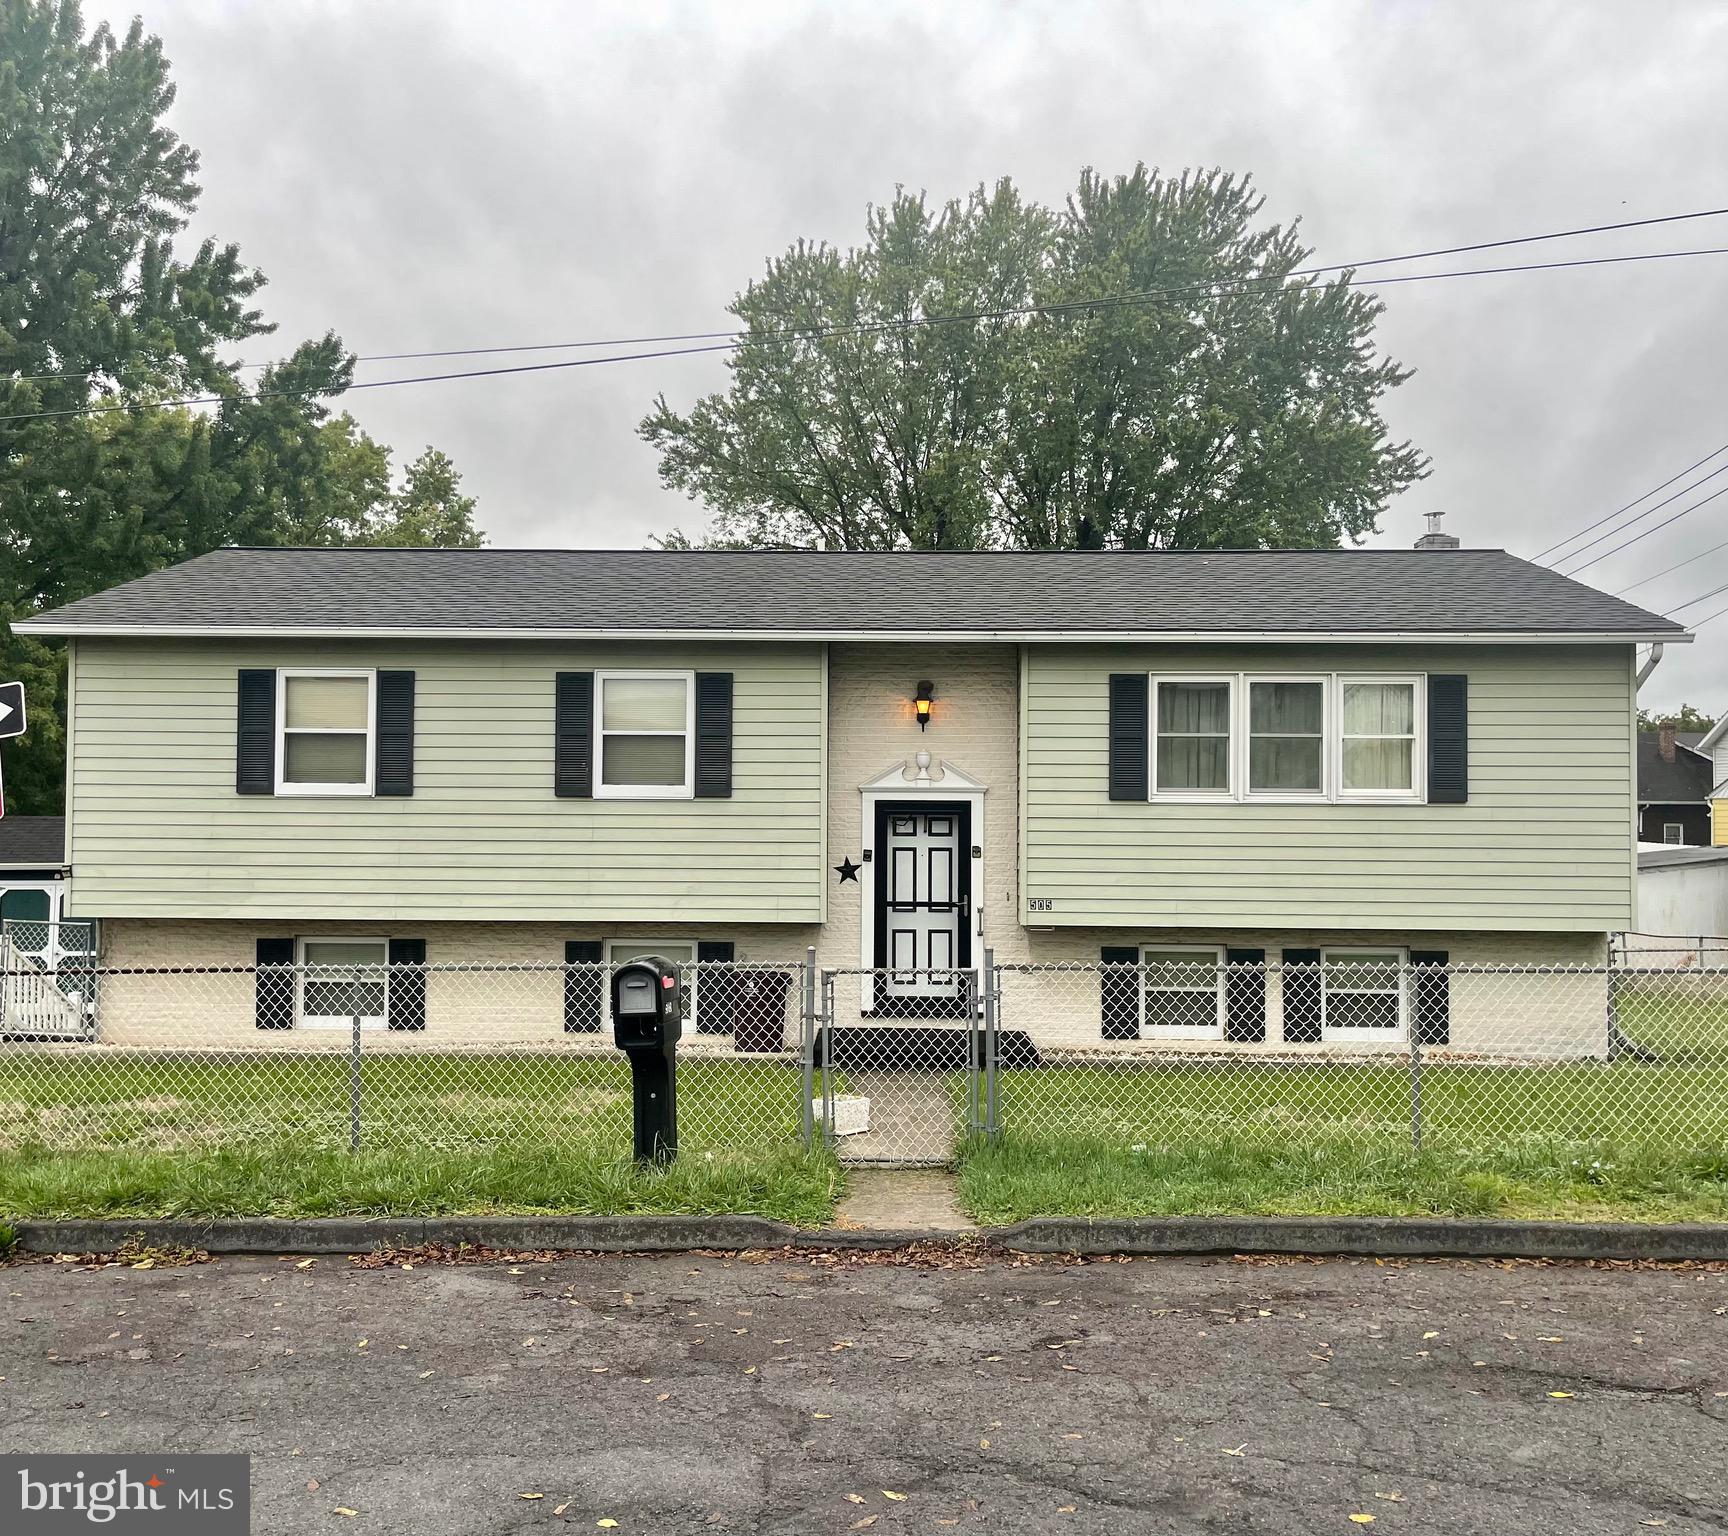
<point>1702,597</point>
<point>1082,306</point>
<point>1349,266</point>
<point>1630,505</point>
<point>1685,490</point>
<point>1654,528</point>
<point>1706,619</point>
<point>1667,568</point>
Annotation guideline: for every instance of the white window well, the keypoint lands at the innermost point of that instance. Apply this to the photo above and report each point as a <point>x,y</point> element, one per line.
<point>1380,737</point>
<point>645,728</point>
<point>1191,754</point>
<point>1287,736</point>
<point>324,723</point>
<point>681,952</point>
<point>1182,991</point>
<point>1362,995</point>
<point>341,979</point>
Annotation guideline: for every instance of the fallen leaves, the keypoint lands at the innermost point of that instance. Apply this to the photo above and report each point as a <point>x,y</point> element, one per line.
<point>530,1495</point>
<point>344,1511</point>
<point>1239,1450</point>
<point>1562,1394</point>
<point>865,1523</point>
<point>1360,1519</point>
<point>606,1524</point>
<point>889,1493</point>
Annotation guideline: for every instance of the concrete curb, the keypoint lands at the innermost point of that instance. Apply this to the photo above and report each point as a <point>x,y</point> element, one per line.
<point>1379,1237</point>
<point>1369,1236</point>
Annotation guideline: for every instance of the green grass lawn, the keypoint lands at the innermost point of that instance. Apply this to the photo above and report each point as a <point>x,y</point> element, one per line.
<point>92,1134</point>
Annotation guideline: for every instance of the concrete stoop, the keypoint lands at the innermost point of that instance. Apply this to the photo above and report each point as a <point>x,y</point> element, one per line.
<point>1383,1237</point>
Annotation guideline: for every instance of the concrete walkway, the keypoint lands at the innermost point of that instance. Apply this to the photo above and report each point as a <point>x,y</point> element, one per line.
<point>911,1119</point>
<point>903,1200</point>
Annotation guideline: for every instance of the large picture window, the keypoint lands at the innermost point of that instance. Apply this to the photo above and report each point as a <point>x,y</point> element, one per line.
<point>646,733</point>
<point>1286,736</point>
<point>1362,995</point>
<point>1191,752</point>
<point>1377,736</point>
<point>324,732</point>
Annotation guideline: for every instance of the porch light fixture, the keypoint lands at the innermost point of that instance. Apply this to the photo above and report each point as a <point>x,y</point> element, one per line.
<point>921,703</point>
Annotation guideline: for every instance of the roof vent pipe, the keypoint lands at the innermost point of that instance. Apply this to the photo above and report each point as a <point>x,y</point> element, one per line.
<point>1434,538</point>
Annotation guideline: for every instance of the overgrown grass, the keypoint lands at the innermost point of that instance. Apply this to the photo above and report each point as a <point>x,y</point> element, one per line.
<point>1025,1175</point>
<point>91,1134</point>
<point>786,1183</point>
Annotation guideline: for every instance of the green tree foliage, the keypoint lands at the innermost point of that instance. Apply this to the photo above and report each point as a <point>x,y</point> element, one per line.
<point>99,317</point>
<point>1687,718</point>
<point>1230,404</point>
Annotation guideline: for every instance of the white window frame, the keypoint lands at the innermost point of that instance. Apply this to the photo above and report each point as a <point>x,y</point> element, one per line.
<point>1362,1034</point>
<point>1231,791</point>
<point>1245,744</point>
<point>284,730</point>
<point>605,791</point>
<point>1151,1031</point>
<point>1417,793</point>
<point>1678,829</point>
<point>619,952</point>
<point>303,1020</point>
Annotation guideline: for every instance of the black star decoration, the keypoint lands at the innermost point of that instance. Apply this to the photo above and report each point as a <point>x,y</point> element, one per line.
<point>847,870</point>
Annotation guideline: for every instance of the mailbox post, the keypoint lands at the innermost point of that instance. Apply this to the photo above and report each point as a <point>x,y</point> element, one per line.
<point>647,1023</point>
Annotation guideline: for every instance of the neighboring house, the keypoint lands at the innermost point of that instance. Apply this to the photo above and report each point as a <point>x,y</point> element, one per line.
<point>1715,743</point>
<point>44,958</point>
<point>1321,759</point>
<point>1682,908</point>
<point>32,862</point>
<point>1674,782</point>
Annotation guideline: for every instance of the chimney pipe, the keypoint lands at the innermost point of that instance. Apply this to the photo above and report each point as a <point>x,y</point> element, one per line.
<point>1434,538</point>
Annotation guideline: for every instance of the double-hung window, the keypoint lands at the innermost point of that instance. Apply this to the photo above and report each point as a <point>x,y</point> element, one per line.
<point>1183,991</point>
<point>1377,741</point>
<point>646,734</point>
<point>324,732</point>
<point>1191,750</point>
<point>1673,833</point>
<point>1362,995</point>
<point>1286,736</point>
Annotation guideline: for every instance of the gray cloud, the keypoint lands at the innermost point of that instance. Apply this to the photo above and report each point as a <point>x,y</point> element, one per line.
<point>418,175</point>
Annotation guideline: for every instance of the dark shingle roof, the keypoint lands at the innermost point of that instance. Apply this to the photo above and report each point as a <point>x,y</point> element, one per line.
<point>1211,592</point>
<point>1661,782</point>
<point>30,842</point>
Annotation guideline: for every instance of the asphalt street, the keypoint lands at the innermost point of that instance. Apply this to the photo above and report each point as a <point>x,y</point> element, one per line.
<point>814,1394</point>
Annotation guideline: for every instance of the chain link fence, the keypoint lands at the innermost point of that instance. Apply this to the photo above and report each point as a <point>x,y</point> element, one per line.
<point>1170,1047</point>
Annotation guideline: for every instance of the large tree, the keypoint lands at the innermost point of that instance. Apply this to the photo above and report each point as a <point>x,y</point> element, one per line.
<point>1141,369</point>
<point>101,321</point>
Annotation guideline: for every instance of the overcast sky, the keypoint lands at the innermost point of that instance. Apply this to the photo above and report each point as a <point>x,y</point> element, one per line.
<point>421,175</point>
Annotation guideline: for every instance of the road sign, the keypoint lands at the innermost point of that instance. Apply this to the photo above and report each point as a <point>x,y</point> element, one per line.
<point>11,710</point>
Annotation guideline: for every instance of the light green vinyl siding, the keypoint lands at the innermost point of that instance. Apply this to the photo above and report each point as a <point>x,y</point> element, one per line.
<point>161,832</point>
<point>1544,842</point>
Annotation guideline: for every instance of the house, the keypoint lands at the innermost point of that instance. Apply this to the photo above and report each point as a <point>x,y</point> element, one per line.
<point>1682,909</point>
<point>1674,782</point>
<point>1337,762</point>
<point>1715,744</point>
<point>40,947</point>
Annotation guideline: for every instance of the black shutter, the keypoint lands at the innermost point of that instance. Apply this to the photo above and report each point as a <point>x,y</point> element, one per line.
<point>573,737</point>
<point>255,734</point>
<point>393,758</point>
<point>1433,1000</point>
<point>1448,740</point>
<point>713,735</point>
<point>273,990</point>
<point>716,991</point>
<point>1301,996</point>
<point>1119,991</point>
<point>585,988</point>
<point>407,1001</point>
<point>1245,994</point>
<point>1128,736</point>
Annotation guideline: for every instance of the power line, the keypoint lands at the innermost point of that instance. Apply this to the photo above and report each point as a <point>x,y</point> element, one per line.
<point>1630,505</point>
<point>1706,619</point>
<point>1654,528</point>
<point>1685,490</point>
<point>1642,580</point>
<point>1082,306</point>
<point>1702,597</point>
<point>1346,266</point>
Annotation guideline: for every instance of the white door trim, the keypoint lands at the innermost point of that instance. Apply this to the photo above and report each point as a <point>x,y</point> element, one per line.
<point>911,781</point>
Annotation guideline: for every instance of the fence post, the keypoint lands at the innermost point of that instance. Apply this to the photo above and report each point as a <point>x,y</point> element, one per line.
<point>807,1046</point>
<point>354,1089</point>
<point>992,1024</point>
<point>1416,1068</point>
<point>825,1025</point>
